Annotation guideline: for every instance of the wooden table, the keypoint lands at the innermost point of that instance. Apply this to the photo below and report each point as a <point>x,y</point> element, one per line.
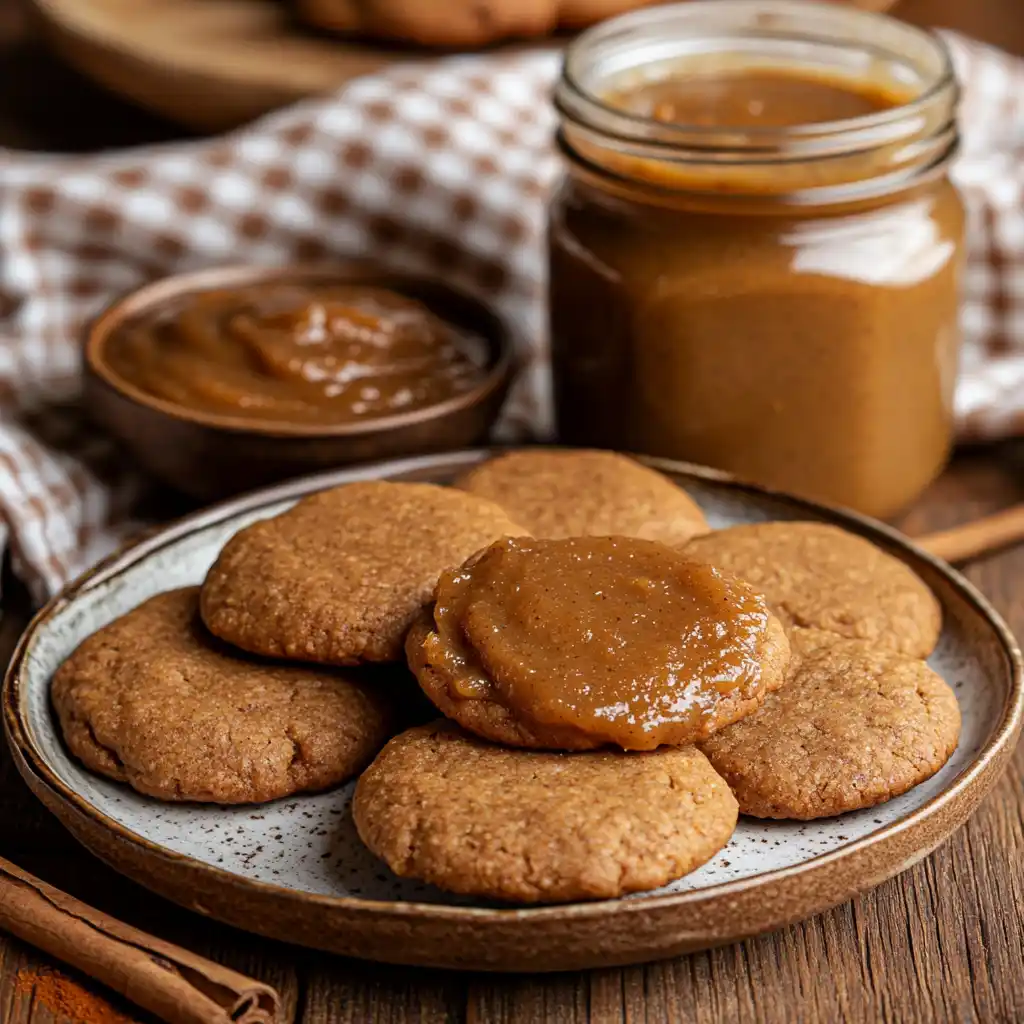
<point>943,942</point>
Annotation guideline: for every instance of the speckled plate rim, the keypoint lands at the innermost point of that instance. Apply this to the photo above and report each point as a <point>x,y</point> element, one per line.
<point>532,938</point>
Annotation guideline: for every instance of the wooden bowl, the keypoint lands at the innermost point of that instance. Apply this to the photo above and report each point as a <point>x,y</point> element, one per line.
<point>214,64</point>
<point>209,456</point>
<point>296,870</point>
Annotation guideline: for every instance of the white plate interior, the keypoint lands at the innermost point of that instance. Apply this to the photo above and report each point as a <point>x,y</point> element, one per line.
<point>308,843</point>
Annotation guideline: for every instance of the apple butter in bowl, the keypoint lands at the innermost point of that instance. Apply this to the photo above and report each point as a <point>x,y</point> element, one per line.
<point>237,377</point>
<point>298,352</point>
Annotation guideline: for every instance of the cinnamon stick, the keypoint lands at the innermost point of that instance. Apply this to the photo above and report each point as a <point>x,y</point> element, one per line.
<point>176,985</point>
<point>980,537</point>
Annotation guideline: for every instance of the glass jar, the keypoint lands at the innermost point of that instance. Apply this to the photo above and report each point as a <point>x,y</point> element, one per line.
<point>775,299</point>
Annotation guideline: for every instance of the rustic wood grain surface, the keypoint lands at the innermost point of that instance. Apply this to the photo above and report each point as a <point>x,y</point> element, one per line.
<point>943,942</point>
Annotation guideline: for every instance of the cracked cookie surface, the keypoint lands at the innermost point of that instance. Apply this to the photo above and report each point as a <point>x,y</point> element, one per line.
<point>821,577</point>
<point>153,700</point>
<point>854,726</point>
<point>470,817</point>
<point>560,493</point>
<point>339,577</point>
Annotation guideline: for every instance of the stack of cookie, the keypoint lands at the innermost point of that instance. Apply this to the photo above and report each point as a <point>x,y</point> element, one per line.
<point>199,694</point>
<point>618,681</point>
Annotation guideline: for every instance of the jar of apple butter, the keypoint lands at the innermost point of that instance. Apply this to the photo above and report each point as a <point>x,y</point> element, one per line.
<point>755,249</point>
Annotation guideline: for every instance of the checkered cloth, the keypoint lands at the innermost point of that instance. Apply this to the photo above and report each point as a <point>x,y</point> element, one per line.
<point>442,169</point>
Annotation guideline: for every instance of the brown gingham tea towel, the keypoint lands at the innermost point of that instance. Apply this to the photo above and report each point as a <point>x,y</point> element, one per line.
<point>442,168</point>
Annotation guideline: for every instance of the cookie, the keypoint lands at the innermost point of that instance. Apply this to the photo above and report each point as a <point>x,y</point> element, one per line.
<point>153,700</point>
<point>818,576</point>
<point>591,641</point>
<point>460,23</point>
<point>568,493</point>
<point>474,818</point>
<point>854,726</point>
<point>339,578</point>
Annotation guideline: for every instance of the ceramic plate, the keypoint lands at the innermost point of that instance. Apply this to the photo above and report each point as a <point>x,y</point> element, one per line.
<point>295,869</point>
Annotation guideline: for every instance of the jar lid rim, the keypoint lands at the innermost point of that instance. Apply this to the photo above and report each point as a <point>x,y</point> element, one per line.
<point>575,101</point>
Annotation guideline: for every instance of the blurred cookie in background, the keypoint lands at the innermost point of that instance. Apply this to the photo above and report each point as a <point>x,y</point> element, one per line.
<point>458,23</point>
<point>472,23</point>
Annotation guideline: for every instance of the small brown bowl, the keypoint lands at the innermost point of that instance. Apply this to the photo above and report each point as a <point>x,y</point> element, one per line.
<point>209,456</point>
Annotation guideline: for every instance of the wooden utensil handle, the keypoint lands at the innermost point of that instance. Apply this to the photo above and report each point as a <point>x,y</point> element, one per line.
<point>977,538</point>
<point>173,983</point>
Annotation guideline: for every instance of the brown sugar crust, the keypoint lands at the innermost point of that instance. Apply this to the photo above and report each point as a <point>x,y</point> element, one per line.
<point>470,817</point>
<point>338,578</point>
<point>855,726</point>
<point>153,700</point>
<point>557,494</point>
<point>458,22</point>
<point>821,577</point>
<point>494,721</point>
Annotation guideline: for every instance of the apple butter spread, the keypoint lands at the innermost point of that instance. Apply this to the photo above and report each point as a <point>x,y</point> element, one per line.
<point>752,99</point>
<point>308,353</point>
<point>613,639</point>
<point>755,250</point>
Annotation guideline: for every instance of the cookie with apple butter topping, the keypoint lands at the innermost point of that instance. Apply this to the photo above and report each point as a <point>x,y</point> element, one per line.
<point>586,642</point>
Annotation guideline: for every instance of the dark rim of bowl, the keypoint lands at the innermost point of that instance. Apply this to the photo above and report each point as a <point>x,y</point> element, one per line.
<point>502,362</point>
